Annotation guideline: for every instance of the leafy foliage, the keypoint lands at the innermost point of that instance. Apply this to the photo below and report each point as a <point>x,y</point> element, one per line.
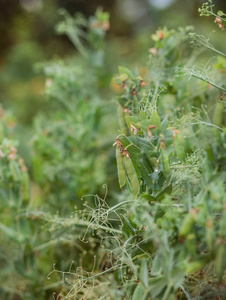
<point>164,236</point>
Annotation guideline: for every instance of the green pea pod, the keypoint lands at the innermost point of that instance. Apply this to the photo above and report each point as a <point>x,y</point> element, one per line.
<point>25,186</point>
<point>15,171</point>
<point>122,121</point>
<point>179,148</point>
<point>210,235</point>
<point>220,261</point>
<point>131,176</point>
<point>218,113</point>
<point>187,224</point>
<point>195,266</point>
<point>120,168</point>
<point>164,162</point>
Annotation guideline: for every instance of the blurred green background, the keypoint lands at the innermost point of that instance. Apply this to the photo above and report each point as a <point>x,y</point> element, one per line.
<point>28,36</point>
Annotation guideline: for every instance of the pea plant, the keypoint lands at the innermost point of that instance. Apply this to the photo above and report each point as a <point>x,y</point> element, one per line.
<point>68,160</point>
<point>165,239</point>
<point>163,236</point>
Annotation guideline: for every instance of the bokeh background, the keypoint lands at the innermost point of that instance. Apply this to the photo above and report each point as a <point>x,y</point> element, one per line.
<point>28,36</point>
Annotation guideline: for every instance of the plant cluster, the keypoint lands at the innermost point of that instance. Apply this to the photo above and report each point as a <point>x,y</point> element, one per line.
<point>164,235</point>
<point>172,239</point>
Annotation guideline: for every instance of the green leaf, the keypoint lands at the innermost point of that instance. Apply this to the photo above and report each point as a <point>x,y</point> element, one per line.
<point>10,233</point>
<point>145,170</point>
<point>156,265</point>
<point>177,276</point>
<point>155,120</point>
<point>168,137</point>
<point>144,272</point>
<point>146,147</point>
<point>127,228</point>
<point>20,268</point>
<point>131,119</point>
<point>148,198</point>
<point>144,124</point>
<point>156,285</point>
<point>158,180</point>
<point>24,227</point>
<point>164,125</point>
<point>167,190</point>
<point>142,115</point>
<point>140,292</point>
<point>123,70</point>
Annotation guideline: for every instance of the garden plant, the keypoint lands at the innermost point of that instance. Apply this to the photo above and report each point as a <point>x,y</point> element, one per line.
<point>163,237</point>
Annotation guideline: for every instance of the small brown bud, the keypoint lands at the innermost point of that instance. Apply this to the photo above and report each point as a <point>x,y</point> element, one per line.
<point>133,128</point>
<point>126,153</point>
<point>133,92</point>
<point>142,83</point>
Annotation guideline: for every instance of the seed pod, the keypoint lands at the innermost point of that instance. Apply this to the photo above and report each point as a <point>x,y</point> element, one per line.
<point>120,167</point>
<point>122,121</point>
<point>218,113</point>
<point>25,186</point>
<point>210,235</point>
<point>188,223</point>
<point>164,162</point>
<point>178,143</point>
<point>220,261</point>
<point>195,266</point>
<point>15,171</point>
<point>131,175</point>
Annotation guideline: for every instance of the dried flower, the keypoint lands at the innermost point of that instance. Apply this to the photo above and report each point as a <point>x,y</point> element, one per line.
<point>153,51</point>
<point>160,34</point>
<point>11,156</point>
<point>149,130</point>
<point>23,168</point>
<point>133,92</point>
<point>142,83</point>
<point>119,144</point>
<point>219,22</point>
<point>175,132</point>
<point>126,110</point>
<point>133,128</point>
<point>126,153</point>
<point>105,25</point>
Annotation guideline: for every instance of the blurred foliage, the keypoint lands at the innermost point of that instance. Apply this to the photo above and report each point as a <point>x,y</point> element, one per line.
<point>68,159</point>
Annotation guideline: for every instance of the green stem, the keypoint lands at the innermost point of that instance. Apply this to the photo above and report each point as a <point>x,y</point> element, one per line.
<point>208,124</point>
<point>210,82</point>
<point>154,99</point>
